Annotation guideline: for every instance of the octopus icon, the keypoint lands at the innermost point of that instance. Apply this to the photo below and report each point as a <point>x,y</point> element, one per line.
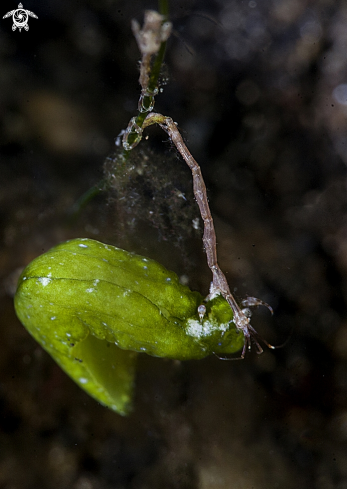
<point>20,17</point>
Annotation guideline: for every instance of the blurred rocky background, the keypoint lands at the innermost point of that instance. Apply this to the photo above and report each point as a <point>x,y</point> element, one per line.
<point>259,89</point>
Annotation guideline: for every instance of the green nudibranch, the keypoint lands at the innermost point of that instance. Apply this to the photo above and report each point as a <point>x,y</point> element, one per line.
<point>93,307</point>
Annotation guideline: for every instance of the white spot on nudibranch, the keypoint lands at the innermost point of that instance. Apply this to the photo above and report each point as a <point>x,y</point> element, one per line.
<point>83,380</point>
<point>194,328</point>
<point>90,290</point>
<point>200,330</point>
<point>53,318</point>
<point>44,281</point>
<point>83,246</point>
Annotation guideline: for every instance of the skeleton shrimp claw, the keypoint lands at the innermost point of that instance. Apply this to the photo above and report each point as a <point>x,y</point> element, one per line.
<point>253,301</point>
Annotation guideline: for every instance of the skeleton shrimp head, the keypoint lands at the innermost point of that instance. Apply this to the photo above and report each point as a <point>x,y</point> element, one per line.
<point>242,323</point>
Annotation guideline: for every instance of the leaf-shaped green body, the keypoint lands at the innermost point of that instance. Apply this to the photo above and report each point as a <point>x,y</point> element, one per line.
<point>93,306</point>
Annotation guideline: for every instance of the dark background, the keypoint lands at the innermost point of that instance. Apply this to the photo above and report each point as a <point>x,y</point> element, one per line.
<point>258,89</point>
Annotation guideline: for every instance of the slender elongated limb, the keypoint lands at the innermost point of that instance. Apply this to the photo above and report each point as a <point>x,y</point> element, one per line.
<point>219,283</point>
